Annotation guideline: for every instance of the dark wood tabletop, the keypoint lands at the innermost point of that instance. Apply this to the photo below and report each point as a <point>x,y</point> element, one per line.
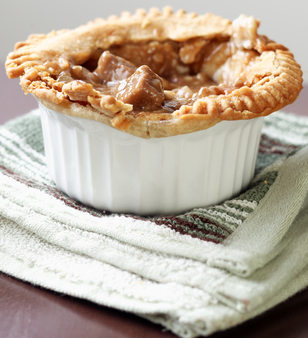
<point>28,311</point>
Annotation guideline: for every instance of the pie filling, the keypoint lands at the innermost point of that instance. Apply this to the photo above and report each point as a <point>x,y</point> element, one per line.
<point>160,77</point>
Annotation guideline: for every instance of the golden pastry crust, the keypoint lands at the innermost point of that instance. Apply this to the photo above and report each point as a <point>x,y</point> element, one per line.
<point>248,74</point>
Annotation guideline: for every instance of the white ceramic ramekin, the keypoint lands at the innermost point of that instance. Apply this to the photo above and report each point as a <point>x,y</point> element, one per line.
<point>111,170</point>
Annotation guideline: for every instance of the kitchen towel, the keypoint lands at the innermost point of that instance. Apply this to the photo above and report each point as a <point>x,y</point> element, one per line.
<point>196,273</point>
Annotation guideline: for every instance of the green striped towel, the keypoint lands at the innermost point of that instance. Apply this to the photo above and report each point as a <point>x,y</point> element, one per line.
<point>196,273</point>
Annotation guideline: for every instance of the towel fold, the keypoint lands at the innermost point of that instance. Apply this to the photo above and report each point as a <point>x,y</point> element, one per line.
<point>195,273</point>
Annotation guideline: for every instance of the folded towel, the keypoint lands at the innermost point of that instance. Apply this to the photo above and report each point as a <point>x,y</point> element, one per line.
<point>195,273</point>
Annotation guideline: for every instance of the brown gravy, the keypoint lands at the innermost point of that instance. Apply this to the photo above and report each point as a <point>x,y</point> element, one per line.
<point>152,77</point>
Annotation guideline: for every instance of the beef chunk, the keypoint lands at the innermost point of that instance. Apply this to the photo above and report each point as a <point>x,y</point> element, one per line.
<point>113,68</point>
<point>143,89</point>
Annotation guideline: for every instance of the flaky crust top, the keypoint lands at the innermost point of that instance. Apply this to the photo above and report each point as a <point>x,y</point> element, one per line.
<point>250,75</point>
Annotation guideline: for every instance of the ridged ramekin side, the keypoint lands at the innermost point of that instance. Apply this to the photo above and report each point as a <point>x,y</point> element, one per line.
<point>111,170</point>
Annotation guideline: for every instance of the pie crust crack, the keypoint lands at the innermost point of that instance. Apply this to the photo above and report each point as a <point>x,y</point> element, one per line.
<point>160,73</point>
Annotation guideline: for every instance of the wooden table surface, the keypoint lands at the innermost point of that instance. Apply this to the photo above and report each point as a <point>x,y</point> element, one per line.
<point>27,311</point>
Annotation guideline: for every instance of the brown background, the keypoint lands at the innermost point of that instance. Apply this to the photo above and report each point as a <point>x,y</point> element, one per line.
<point>27,311</point>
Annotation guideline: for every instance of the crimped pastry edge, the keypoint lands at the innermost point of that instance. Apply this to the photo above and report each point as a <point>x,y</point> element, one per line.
<point>274,89</point>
